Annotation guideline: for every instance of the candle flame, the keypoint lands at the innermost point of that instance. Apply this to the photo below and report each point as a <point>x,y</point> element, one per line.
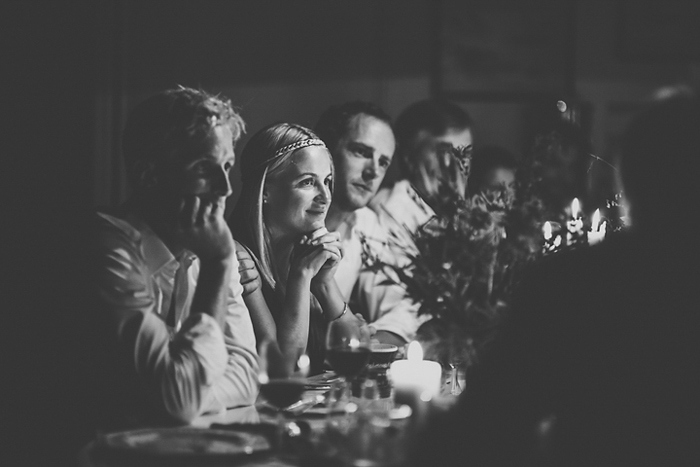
<point>414,352</point>
<point>354,343</point>
<point>547,230</point>
<point>595,222</point>
<point>575,208</point>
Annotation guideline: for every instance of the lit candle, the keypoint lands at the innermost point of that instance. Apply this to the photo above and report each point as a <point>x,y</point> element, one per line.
<point>415,377</point>
<point>595,221</point>
<point>575,208</point>
<point>547,231</point>
<point>574,226</point>
<point>597,233</point>
<point>550,243</point>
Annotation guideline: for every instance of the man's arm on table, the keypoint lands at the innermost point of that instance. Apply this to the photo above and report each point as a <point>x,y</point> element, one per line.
<point>382,298</point>
<point>393,315</point>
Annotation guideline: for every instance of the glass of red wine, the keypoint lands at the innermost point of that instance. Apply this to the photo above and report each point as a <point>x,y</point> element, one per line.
<point>281,393</point>
<point>347,351</point>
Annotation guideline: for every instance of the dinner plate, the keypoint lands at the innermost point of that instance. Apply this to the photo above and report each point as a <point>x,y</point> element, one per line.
<point>187,442</point>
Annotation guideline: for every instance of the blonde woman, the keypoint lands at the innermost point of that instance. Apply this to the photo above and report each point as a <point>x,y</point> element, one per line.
<point>288,258</point>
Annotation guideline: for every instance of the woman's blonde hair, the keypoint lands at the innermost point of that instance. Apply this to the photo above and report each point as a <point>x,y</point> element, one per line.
<point>266,154</point>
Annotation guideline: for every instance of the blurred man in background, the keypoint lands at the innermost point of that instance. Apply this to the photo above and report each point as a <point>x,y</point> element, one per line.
<point>429,133</point>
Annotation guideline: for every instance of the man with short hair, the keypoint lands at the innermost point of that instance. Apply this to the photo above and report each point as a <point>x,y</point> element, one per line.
<point>179,336</point>
<point>427,133</point>
<point>361,141</point>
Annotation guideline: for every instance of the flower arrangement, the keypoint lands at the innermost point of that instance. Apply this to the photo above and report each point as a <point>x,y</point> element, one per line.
<point>465,262</point>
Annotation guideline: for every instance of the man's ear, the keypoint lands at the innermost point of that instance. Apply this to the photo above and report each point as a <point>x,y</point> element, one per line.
<point>145,174</point>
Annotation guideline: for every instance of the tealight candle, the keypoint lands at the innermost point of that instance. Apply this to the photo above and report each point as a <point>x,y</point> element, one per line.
<point>597,232</point>
<point>574,226</point>
<point>575,208</point>
<point>547,230</point>
<point>414,376</point>
<point>551,232</point>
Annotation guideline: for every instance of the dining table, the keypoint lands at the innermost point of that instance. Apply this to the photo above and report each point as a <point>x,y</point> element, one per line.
<point>367,429</point>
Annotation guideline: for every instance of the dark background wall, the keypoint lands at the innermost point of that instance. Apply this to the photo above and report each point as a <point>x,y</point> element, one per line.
<point>76,68</point>
<point>276,60</point>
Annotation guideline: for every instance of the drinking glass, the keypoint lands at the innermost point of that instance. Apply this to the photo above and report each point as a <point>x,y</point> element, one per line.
<point>281,393</point>
<point>347,351</point>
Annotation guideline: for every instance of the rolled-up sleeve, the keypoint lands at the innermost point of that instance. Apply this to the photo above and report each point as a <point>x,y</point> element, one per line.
<point>181,375</point>
<point>194,368</point>
<point>382,299</point>
<point>387,305</point>
<point>239,385</point>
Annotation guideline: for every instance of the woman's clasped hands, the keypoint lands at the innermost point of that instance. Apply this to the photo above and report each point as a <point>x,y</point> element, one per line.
<point>318,253</point>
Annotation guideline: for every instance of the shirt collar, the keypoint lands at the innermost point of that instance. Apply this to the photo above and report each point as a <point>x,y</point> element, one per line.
<point>347,226</point>
<point>159,254</point>
<point>418,199</point>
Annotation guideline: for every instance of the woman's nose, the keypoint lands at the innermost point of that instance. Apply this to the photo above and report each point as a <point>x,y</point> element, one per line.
<point>324,194</point>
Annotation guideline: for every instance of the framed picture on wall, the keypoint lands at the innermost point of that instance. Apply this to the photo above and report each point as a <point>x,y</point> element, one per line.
<point>505,50</point>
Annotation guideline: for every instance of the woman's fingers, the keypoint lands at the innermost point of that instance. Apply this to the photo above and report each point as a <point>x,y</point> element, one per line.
<point>330,242</point>
<point>245,262</point>
<point>335,251</point>
<point>318,233</point>
<point>328,237</point>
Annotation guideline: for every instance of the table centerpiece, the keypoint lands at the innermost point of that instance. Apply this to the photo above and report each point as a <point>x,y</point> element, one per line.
<point>465,262</point>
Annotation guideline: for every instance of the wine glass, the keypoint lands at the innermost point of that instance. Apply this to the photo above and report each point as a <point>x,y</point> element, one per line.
<point>347,351</point>
<point>281,393</point>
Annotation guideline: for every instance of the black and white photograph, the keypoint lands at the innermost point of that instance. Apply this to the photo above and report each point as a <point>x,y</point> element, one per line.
<point>350,233</point>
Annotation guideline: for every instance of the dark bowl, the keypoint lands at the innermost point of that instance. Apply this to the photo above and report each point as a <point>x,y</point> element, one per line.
<point>383,354</point>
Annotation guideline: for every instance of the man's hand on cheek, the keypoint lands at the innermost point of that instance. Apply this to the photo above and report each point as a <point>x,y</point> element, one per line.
<point>202,228</point>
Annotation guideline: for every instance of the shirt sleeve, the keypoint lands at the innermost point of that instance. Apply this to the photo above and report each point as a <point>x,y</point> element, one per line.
<point>386,306</point>
<point>239,385</point>
<point>180,375</point>
<point>382,300</point>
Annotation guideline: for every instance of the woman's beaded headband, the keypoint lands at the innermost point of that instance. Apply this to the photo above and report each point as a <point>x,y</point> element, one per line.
<point>281,151</point>
<point>299,144</point>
